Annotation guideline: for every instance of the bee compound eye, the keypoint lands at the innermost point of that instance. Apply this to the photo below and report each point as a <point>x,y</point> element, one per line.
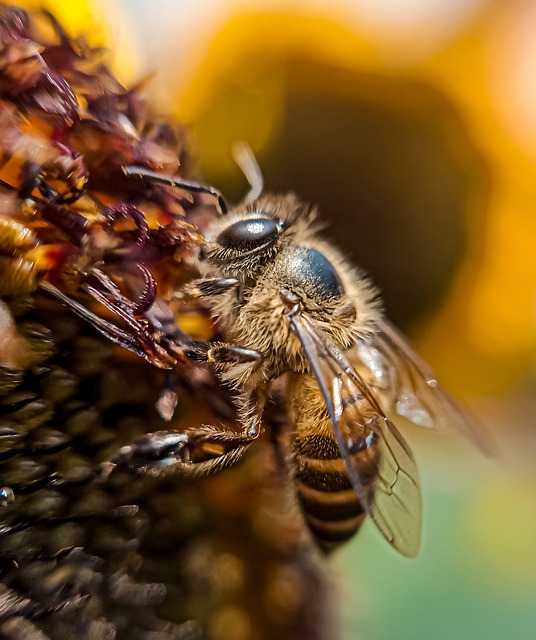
<point>250,233</point>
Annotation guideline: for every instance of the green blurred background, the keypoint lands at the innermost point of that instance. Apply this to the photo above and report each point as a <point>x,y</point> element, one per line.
<point>412,124</point>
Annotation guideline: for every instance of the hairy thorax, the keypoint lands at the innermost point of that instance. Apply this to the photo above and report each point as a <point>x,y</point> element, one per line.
<point>255,318</point>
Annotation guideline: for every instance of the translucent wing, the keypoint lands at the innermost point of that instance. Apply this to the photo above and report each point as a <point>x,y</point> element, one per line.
<point>391,496</point>
<point>401,375</point>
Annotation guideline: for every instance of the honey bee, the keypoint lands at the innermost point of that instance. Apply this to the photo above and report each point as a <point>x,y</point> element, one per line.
<point>288,302</point>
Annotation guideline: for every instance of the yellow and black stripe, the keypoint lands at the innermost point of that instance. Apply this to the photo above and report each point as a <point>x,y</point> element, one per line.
<point>328,501</point>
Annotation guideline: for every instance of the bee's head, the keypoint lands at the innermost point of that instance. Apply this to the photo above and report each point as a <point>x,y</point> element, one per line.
<point>242,241</point>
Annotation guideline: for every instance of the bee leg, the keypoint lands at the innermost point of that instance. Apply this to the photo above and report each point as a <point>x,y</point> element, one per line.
<point>197,452</point>
<point>174,181</point>
<point>213,448</point>
<point>220,353</point>
<point>166,451</point>
<point>206,287</point>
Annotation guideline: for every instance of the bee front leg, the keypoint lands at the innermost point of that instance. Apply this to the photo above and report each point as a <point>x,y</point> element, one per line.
<point>221,353</point>
<point>199,451</point>
<point>207,287</point>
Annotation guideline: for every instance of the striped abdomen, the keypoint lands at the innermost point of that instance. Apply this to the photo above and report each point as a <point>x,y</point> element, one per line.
<point>329,503</point>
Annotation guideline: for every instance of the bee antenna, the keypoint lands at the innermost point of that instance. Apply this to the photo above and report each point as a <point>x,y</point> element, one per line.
<point>245,159</point>
<point>153,176</point>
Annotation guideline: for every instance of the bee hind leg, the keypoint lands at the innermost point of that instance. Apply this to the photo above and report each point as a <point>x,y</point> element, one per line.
<point>199,451</point>
<point>185,453</point>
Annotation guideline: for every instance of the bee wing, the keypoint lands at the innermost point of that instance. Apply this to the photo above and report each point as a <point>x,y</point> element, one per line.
<point>392,497</point>
<point>400,372</point>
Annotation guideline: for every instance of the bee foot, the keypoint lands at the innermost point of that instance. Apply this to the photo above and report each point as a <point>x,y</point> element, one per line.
<point>161,448</point>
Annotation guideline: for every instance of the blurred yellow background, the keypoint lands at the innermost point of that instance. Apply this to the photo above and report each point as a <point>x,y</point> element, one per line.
<point>412,123</point>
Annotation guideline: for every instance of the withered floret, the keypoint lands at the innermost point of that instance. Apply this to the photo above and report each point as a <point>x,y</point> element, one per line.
<point>71,222</point>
